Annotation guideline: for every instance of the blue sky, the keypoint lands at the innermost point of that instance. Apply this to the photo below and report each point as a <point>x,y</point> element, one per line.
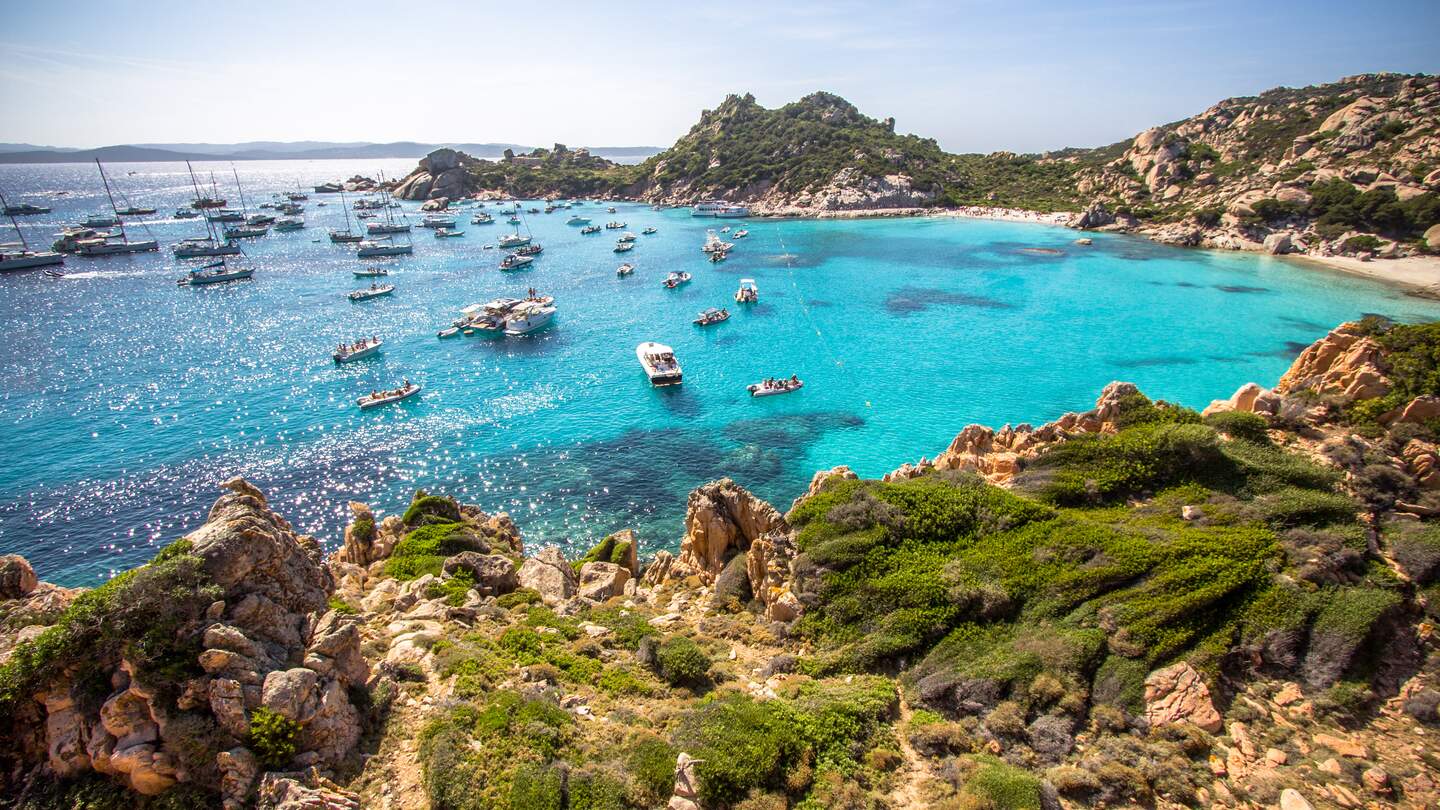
<point>977,76</point>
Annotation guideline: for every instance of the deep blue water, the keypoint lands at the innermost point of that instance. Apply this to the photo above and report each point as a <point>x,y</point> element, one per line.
<point>127,399</point>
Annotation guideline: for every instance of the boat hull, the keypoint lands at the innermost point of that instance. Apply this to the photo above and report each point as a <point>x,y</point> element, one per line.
<point>42,259</point>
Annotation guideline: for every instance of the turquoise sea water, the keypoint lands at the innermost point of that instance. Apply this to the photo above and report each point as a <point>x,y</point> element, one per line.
<point>127,399</point>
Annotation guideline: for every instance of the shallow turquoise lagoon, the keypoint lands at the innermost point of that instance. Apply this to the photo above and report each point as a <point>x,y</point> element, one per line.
<point>127,399</point>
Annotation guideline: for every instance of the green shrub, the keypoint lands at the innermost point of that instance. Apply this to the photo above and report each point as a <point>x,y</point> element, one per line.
<point>340,606</point>
<point>1417,550</point>
<point>1361,243</point>
<point>145,614</point>
<point>612,549</point>
<point>681,661</point>
<point>518,597</point>
<point>1096,468</point>
<point>1241,425</point>
<point>363,529</point>
<point>424,550</point>
<point>651,762</point>
<point>743,745</point>
<point>1003,786</point>
<point>629,627</point>
<point>454,589</point>
<point>273,737</point>
<point>425,509</point>
<point>1308,507</point>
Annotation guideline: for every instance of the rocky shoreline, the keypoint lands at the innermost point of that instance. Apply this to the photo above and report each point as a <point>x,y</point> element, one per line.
<point>243,667</point>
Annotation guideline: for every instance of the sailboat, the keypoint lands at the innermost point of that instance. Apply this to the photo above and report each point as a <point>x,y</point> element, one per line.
<point>252,227</point>
<point>106,246</point>
<point>347,235</point>
<point>389,225</point>
<point>204,246</point>
<point>23,258</point>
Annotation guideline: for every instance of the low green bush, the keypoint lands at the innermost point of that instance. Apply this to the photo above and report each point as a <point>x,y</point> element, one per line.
<point>611,549</point>
<point>1242,425</point>
<point>426,509</point>
<point>681,661</point>
<point>273,737</point>
<point>651,761</point>
<point>1002,786</point>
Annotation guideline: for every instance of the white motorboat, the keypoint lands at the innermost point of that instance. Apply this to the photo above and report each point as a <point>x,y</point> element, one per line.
<point>447,332</point>
<point>374,291</point>
<point>25,209</point>
<point>614,226</point>
<point>748,293</point>
<point>624,269</point>
<point>589,229</point>
<point>712,316</point>
<point>101,221</point>
<point>359,350</point>
<point>437,221</point>
<point>626,237</point>
<point>383,228</point>
<point>659,363</point>
<point>25,259</point>
<point>740,234</point>
<point>371,249</point>
<point>446,233</point>
<point>718,208</point>
<point>378,398</point>
<point>515,261</point>
<point>675,279</point>
<point>260,219</point>
<point>714,244</point>
<point>528,317</point>
<point>576,219</point>
<point>197,247</point>
<point>286,224</point>
<point>482,218</point>
<point>511,240</point>
<point>532,249</point>
<point>775,387</point>
<point>246,231</point>
<point>370,272</point>
<point>109,248</point>
<point>215,273</point>
<point>650,230</point>
<point>622,247</point>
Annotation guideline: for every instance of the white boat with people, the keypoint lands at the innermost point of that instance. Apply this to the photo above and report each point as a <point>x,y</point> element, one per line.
<point>185,213</point>
<point>215,273</point>
<point>740,234</point>
<point>357,350</point>
<point>373,291</point>
<point>675,279</point>
<point>712,316</point>
<point>659,363</point>
<point>626,237</point>
<point>512,240</point>
<point>748,293</point>
<point>246,231</point>
<point>437,221</point>
<point>377,398</point>
<point>515,261</point>
<point>589,229</point>
<point>649,230</point>
<point>370,272</point>
<point>625,270</point>
<point>614,226</point>
<point>770,387</point>
<point>447,233</point>
<point>532,249</point>
<point>529,316</point>
<point>482,218</point>
<point>622,247</point>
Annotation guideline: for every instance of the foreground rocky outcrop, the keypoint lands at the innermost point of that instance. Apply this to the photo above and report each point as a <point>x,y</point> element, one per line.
<point>939,640</point>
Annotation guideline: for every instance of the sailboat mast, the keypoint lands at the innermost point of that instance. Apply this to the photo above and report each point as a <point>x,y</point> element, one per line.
<point>193,184</point>
<point>16,225</point>
<point>111,198</point>
<point>346,206</point>
<point>238,187</point>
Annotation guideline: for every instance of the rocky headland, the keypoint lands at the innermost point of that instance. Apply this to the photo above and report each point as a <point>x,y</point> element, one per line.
<point>1137,604</point>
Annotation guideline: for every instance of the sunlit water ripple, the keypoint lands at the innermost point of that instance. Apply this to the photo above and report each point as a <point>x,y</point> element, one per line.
<point>127,399</point>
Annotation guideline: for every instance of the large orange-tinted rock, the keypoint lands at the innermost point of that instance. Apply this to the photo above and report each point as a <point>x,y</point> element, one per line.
<point>1177,693</point>
<point>1345,363</point>
<point>722,520</point>
<point>1418,410</point>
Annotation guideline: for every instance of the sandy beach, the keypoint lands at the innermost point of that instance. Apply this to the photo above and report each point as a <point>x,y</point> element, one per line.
<point>1419,274</point>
